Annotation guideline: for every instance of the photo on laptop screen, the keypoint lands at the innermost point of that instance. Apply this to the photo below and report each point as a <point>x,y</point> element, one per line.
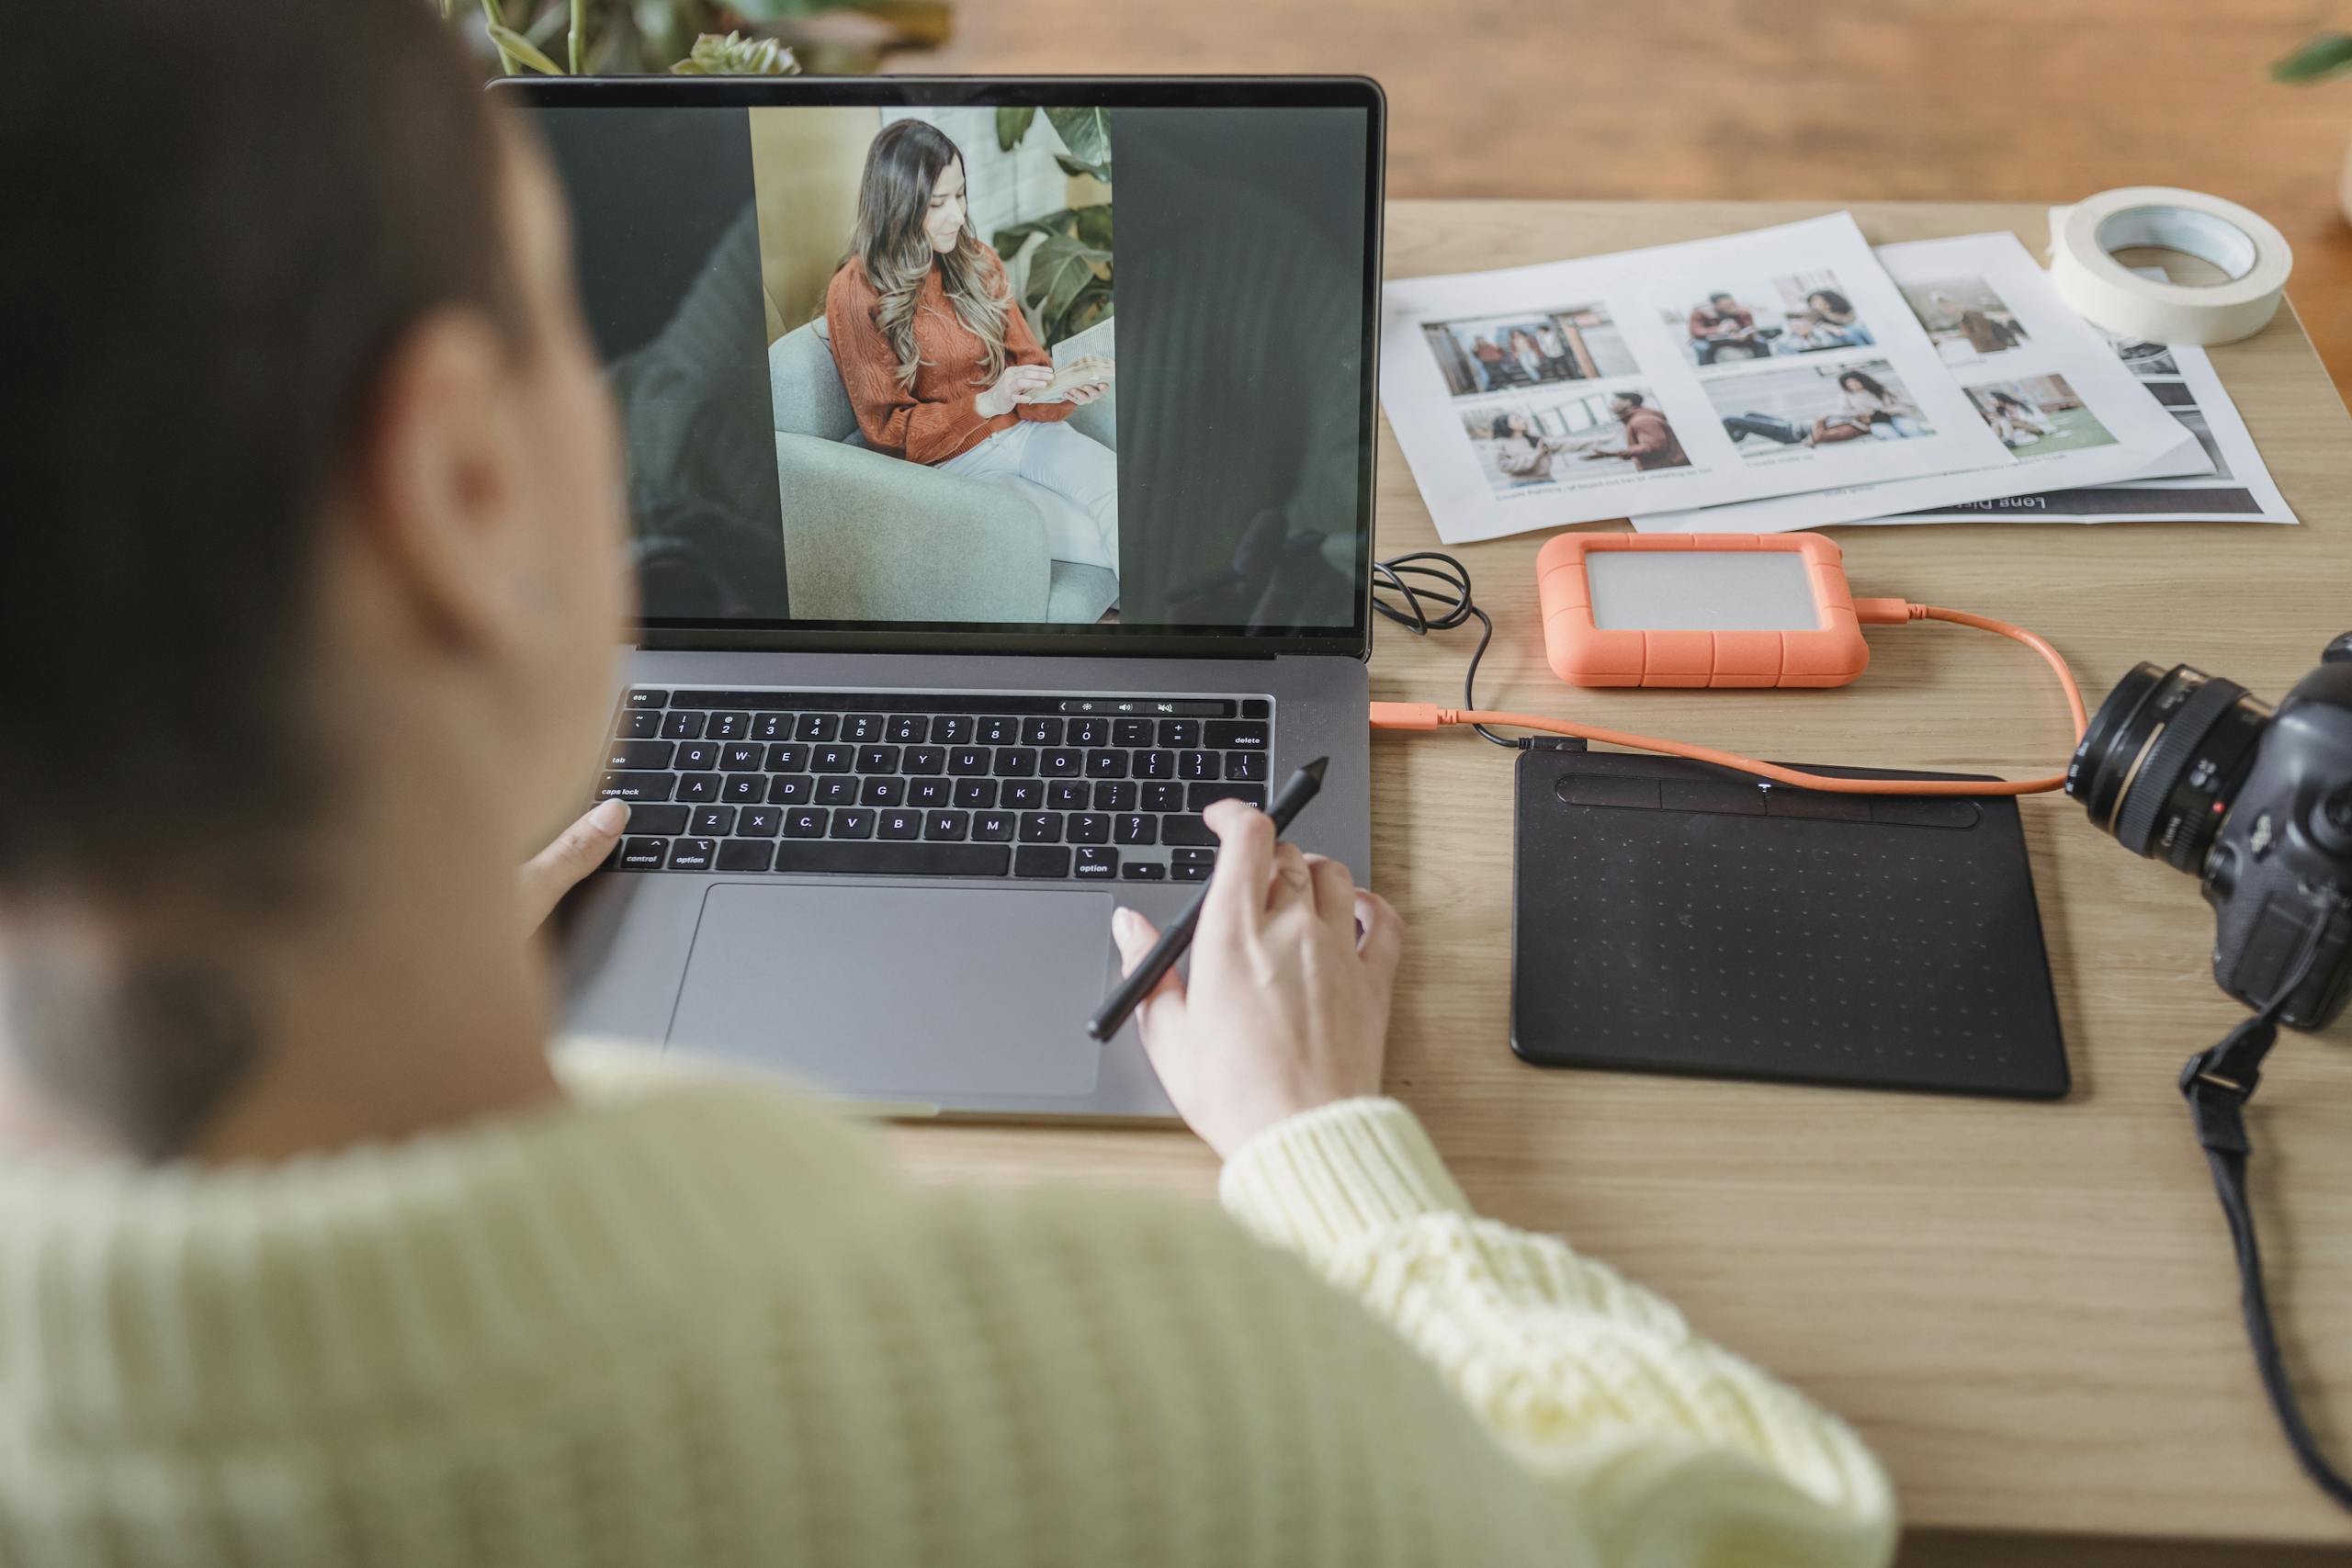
<point>925,366</point>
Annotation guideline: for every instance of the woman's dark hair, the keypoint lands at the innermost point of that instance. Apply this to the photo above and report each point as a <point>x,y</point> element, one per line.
<point>1502,427</point>
<point>1839,304</point>
<point>217,228</point>
<point>2001,397</point>
<point>893,199</point>
<point>1633,398</point>
<point>1867,384</point>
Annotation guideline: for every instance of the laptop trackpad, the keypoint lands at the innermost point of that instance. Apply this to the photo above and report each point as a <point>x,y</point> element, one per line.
<point>907,993</point>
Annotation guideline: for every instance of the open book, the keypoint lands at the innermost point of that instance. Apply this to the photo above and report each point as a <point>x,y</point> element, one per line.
<point>1084,370</point>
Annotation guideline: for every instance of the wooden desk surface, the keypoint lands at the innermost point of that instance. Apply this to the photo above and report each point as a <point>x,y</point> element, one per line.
<point>2028,1310</point>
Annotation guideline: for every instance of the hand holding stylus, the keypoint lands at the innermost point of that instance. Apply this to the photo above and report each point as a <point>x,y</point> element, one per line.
<point>1287,1006</point>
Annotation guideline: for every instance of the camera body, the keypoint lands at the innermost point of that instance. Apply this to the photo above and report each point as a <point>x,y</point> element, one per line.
<point>2194,771</point>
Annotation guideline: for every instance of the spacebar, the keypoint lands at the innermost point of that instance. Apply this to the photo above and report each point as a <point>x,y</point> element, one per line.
<point>871,858</point>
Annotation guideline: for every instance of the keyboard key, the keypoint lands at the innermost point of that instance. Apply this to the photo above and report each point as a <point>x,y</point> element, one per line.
<point>1161,798</point>
<point>809,822</point>
<point>928,793</point>
<point>1156,765</point>
<point>996,826</point>
<point>952,729</point>
<point>1089,827</point>
<point>1096,864</point>
<point>1041,731</point>
<point>635,786</point>
<point>699,756</point>
<point>1133,828</point>
<point>882,858</point>
<point>878,759</point>
<point>744,789</point>
<point>817,726</point>
<point>837,759</point>
<point>1024,795</point>
<point>745,854</point>
<point>1089,731</point>
<point>683,727</point>
<point>883,792</point>
<point>1180,734</point>
<point>1014,762</point>
<point>640,754</point>
<point>1183,871</point>
<point>772,726</point>
<point>744,758</point>
<point>1144,871</point>
<point>1115,796</point>
<point>1198,765</point>
<point>1130,733</point>
<point>860,729</point>
<point>852,822</point>
<point>1039,861</point>
<point>1186,830</point>
<point>1201,795</point>
<point>976,795</point>
<point>1106,764</point>
<point>835,789</point>
<point>1234,735</point>
<point>906,728</point>
<point>1248,765</point>
<point>1190,855</point>
<point>1067,795</point>
<point>924,759</point>
<point>998,731</point>
<point>640,726</point>
<point>971,760</point>
<point>715,822</point>
<point>901,825</point>
<point>647,697</point>
<point>729,726</point>
<point>661,819</point>
<point>1041,828</point>
<point>760,821</point>
<point>790,758</point>
<point>1061,763</point>
<point>692,854</point>
<point>643,854</point>
<point>789,789</point>
<point>950,826</point>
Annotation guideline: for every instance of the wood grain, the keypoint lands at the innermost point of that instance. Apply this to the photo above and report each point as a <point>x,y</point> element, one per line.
<point>1918,100</point>
<point>2028,1309</point>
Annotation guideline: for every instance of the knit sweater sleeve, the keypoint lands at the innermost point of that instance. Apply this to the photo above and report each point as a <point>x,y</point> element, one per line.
<point>889,415</point>
<point>1022,348</point>
<point>1671,1451</point>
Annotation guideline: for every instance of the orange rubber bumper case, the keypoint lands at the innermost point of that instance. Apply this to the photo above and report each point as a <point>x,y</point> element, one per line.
<point>1584,653</point>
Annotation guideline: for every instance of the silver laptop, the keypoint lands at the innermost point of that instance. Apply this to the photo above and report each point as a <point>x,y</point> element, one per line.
<point>927,684</point>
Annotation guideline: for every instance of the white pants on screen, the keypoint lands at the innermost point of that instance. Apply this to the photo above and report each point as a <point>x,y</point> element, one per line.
<point>1073,478</point>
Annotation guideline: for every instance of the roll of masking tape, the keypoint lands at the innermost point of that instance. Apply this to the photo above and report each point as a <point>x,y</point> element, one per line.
<point>2253,256</point>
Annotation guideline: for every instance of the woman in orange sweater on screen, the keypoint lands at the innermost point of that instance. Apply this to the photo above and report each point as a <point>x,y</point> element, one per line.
<point>941,366</point>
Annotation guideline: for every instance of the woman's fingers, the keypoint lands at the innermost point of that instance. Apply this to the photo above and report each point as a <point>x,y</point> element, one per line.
<point>1383,934</point>
<point>1245,859</point>
<point>1134,935</point>
<point>1292,883</point>
<point>1334,888</point>
<point>577,850</point>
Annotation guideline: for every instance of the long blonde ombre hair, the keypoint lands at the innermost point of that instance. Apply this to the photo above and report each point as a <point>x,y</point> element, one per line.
<point>893,198</point>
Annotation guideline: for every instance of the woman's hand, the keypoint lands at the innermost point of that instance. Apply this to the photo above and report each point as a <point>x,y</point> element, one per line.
<point>1016,385</point>
<point>1079,396</point>
<point>1287,1008</point>
<point>577,850</point>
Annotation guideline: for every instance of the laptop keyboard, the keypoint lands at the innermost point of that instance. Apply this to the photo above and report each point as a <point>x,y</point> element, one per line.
<point>899,784</point>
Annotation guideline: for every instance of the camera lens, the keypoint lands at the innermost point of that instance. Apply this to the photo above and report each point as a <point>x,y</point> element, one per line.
<point>2162,759</point>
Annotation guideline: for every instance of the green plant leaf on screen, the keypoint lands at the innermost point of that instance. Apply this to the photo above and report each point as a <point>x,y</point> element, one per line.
<point>735,55</point>
<point>2329,54</point>
<point>1087,134</point>
<point>1059,268</point>
<point>1012,124</point>
<point>524,50</point>
<point>1093,225</point>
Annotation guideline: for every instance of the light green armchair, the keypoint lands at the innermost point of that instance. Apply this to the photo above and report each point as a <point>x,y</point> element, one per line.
<point>872,537</point>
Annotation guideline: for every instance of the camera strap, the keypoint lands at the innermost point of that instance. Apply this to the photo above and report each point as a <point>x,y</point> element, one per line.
<point>2217,1083</point>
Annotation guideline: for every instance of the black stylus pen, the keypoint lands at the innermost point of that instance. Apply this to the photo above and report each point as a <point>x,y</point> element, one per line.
<point>1301,787</point>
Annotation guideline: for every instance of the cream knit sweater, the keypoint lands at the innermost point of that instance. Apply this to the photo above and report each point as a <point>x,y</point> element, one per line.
<point>699,1321</point>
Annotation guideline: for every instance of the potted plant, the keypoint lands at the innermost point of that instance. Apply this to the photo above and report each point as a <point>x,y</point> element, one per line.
<point>704,37</point>
<point>2329,54</point>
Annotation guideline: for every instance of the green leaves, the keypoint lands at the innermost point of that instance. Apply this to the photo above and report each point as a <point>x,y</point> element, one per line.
<point>1069,269</point>
<point>736,56</point>
<point>2329,54</point>
<point>1087,134</point>
<point>1011,125</point>
<point>515,46</point>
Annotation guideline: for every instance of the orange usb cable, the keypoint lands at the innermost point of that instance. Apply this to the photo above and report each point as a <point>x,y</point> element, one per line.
<point>1869,612</point>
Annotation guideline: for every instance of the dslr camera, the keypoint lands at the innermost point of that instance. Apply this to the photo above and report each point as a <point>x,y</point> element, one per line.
<point>2255,803</point>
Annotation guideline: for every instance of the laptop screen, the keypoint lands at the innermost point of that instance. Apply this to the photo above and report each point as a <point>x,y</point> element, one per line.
<point>997,364</point>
